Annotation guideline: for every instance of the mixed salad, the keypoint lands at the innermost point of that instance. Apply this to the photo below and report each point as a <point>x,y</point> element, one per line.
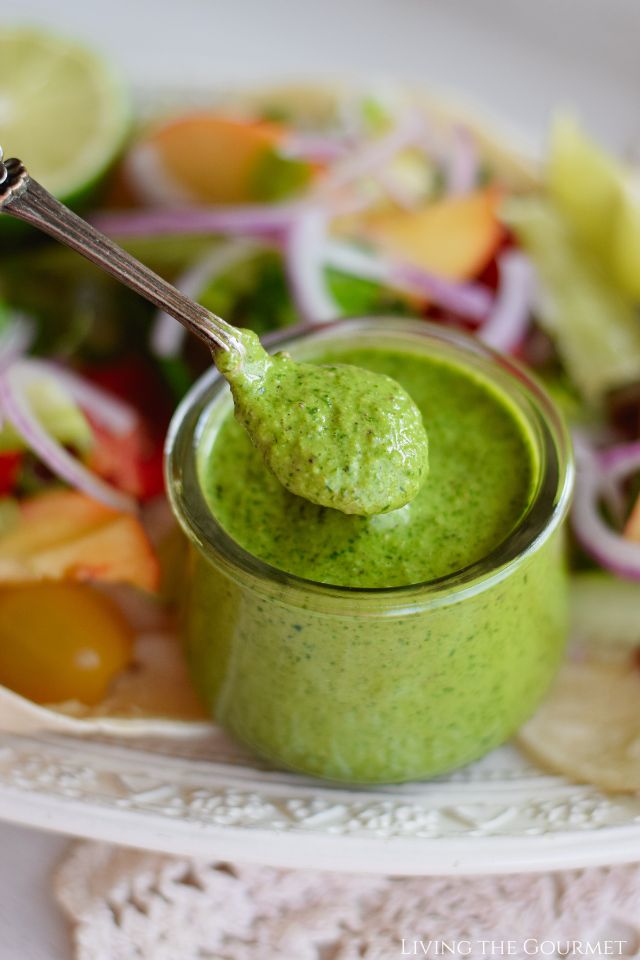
<point>303,205</point>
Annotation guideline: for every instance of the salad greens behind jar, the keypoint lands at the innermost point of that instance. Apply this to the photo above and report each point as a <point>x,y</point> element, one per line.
<point>287,206</point>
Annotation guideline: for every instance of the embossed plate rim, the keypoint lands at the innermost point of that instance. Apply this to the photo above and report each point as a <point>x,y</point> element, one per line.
<point>125,795</point>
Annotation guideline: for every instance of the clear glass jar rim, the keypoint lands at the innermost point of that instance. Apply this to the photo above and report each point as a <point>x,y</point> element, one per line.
<point>545,513</point>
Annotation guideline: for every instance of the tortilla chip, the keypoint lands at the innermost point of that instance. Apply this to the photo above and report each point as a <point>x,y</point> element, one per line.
<point>589,727</point>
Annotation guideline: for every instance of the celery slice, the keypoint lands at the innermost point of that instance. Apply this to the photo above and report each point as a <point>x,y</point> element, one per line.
<point>605,611</point>
<point>584,183</point>
<point>57,412</point>
<point>594,325</point>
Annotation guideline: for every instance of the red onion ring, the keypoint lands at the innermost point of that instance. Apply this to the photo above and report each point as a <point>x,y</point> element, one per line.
<point>619,461</point>
<point>17,410</point>
<point>469,300</point>
<point>314,147</point>
<point>611,550</point>
<point>374,154</point>
<point>462,162</point>
<point>304,263</point>
<point>107,410</point>
<point>242,219</point>
<point>15,339</point>
<point>509,321</point>
<point>617,464</point>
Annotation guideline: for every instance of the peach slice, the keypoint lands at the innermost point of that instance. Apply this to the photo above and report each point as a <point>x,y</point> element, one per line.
<point>64,535</point>
<point>454,238</point>
<point>202,158</point>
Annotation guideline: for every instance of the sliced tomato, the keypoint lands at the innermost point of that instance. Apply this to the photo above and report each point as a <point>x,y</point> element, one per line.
<point>10,464</point>
<point>132,461</point>
<point>135,380</point>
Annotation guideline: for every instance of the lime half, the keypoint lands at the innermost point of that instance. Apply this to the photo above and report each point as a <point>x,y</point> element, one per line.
<point>63,111</point>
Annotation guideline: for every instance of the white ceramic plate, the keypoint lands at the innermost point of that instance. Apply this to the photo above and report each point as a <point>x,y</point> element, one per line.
<point>206,796</point>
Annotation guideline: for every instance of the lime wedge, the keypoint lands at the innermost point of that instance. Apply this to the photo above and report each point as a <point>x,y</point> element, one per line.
<point>63,111</point>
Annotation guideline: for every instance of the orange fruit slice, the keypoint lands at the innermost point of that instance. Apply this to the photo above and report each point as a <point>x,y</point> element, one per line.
<point>64,535</point>
<point>206,158</point>
<point>454,238</point>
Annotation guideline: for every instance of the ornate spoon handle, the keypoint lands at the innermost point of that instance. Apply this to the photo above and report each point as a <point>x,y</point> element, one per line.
<point>27,200</point>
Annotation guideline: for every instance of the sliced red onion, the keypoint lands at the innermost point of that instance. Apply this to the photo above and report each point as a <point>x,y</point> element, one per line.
<point>586,444</point>
<point>469,300</point>
<point>619,461</point>
<point>509,321</point>
<point>167,335</point>
<point>314,147</point>
<point>17,410</point>
<point>461,171</point>
<point>15,339</point>
<point>251,219</point>
<point>103,407</point>
<point>611,550</point>
<point>375,154</point>
<point>612,496</point>
<point>305,262</point>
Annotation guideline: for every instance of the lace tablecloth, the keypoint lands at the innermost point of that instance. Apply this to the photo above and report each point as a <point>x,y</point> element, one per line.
<point>130,905</point>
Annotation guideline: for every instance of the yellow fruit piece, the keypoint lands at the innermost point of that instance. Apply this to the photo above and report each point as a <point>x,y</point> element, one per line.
<point>454,238</point>
<point>61,641</point>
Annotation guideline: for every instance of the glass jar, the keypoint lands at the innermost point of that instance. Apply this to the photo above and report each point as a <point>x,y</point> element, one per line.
<point>376,685</point>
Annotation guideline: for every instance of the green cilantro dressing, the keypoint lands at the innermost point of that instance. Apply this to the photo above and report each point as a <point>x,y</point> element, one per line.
<point>335,434</point>
<point>480,481</point>
<point>379,685</point>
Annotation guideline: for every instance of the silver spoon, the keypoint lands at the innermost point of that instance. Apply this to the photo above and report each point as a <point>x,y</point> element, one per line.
<point>24,198</point>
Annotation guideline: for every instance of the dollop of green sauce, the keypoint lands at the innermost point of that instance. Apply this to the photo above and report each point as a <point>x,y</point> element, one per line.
<point>338,435</point>
<point>481,477</point>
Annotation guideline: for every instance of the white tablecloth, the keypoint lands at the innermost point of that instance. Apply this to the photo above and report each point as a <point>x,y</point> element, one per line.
<point>31,924</point>
<point>191,905</point>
